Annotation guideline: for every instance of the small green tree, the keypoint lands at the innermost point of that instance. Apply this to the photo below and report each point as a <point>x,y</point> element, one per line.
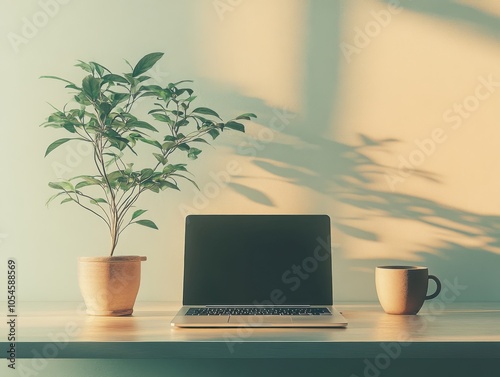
<point>101,114</point>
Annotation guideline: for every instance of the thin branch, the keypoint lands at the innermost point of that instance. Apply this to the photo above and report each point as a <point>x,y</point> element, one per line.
<point>77,201</point>
<point>90,198</point>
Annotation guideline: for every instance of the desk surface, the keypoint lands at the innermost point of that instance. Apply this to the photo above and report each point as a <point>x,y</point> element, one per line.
<point>62,330</point>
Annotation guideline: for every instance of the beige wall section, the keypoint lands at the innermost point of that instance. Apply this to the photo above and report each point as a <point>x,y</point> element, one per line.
<point>256,48</point>
<point>338,112</point>
<point>422,83</point>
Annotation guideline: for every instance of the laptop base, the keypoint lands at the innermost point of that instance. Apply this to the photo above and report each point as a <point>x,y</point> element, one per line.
<point>334,320</point>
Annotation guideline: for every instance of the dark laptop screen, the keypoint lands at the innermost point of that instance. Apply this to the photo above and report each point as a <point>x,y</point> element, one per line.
<point>257,260</point>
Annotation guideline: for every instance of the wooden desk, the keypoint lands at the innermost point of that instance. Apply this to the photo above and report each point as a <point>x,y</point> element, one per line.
<point>62,330</point>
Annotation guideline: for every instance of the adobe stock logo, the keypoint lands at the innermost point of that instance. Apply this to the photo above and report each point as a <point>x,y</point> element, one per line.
<point>364,36</point>
<point>223,6</point>
<point>31,26</point>
<point>74,157</point>
<point>416,325</point>
<point>455,116</point>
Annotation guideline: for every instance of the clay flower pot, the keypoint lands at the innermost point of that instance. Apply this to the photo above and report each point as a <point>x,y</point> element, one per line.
<point>109,285</point>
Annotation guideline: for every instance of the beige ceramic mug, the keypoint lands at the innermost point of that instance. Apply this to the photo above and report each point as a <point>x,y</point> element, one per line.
<point>403,289</point>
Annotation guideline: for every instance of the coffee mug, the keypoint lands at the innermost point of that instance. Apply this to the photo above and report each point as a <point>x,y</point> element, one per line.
<point>403,289</point>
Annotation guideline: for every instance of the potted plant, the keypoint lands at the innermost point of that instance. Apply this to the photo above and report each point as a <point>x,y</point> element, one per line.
<point>103,113</point>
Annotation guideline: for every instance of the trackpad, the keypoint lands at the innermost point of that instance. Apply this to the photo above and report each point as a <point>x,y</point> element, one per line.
<point>255,320</point>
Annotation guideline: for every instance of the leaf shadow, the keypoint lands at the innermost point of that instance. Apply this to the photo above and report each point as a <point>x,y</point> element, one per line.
<point>457,12</point>
<point>252,194</point>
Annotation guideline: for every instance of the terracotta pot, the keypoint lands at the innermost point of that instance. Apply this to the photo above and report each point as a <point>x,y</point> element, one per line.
<point>109,285</point>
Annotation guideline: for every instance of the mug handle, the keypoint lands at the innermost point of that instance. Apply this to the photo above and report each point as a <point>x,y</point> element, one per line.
<point>438,287</point>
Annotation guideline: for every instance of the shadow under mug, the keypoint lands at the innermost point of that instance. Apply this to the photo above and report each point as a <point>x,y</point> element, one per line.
<point>403,289</point>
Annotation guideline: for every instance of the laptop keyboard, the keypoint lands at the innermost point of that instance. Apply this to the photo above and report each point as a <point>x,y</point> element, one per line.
<point>258,311</point>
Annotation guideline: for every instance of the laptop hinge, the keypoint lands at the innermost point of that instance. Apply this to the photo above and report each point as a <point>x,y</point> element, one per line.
<point>256,306</point>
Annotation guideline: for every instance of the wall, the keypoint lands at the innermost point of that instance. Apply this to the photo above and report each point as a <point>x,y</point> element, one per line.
<point>382,114</point>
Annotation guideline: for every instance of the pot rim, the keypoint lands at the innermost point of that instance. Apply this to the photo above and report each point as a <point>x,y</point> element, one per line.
<point>400,268</point>
<point>113,259</point>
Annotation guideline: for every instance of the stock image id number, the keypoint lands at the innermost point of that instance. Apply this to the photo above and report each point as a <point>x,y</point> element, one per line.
<point>11,285</point>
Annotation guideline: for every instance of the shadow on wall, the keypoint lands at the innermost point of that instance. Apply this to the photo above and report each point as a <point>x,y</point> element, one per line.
<point>459,245</point>
<point>455,11</point>
<point>347,172</point>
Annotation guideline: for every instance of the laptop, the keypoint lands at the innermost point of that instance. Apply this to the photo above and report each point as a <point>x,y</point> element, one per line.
<point>258,271</point>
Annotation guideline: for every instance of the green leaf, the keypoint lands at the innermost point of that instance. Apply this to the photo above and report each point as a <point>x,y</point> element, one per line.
<point>180,82</point>
<point>87,180</point>
<point>91,87</point>
<point>180,167</point>
<point>147,223</point>
<point>156,110</point>
<point>180,92</point>
<point>100,69</point>
<point>177,113</point>
<point>166,184</point>
<point>141,124</point>
<point>56,144</point>
<point>82,184</point>
<point>154,188</point>
<point>170,138</point>
<point>56,117</point>
<point>168,145</point>
<point>67,200</point>
<point>114,176</point>
<point>114,78</point>
<point>85,66</point>
<point>161,117</point>
<point>214,133</point>
<point>98,200</point>
<point>184,147</point>
<point>54,196</point>
<point>189,179</point>
<point>246,116</point>
<point>71,85</point>
<point>235,126</point>
<point>69,127</point>
<point>161,159</point>
<point>138,213</point>
<point>118,142</point>
<point>105,109</point>
<point>119,97</point>
<point>146,173</point>
<point>193,153</point>
<point>206,111</point>
<point>62,185</point>
<point>182,123</point>
<point>152,88</point>
<point>146,63</point>
<point>82,100</point>
<point>200,140</point>
<point>132,81</point>
<point>130,65</point>
<point>151,142</point>
<point>114,157</point>
<point>168,169</point>
<point>204,120</point>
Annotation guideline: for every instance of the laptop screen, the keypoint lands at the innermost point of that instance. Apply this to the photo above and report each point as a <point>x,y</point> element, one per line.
<point>257,260</point>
